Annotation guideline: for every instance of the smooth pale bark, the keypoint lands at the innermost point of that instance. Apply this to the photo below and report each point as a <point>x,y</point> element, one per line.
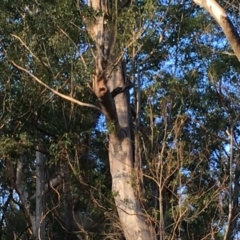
<point>116,108</point>
<point>121,166</point>
<point>219,14</point>
<point>36,220</point>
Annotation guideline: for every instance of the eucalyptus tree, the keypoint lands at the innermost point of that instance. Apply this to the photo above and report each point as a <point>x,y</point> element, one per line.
<point>165,141</point>
<point>110,85</point>
<point>30,114</point>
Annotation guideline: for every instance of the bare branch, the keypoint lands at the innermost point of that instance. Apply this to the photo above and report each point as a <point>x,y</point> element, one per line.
<point>50,185</point>
<point>25,45</point>
<point>80,55</point>
<point>73,100</point>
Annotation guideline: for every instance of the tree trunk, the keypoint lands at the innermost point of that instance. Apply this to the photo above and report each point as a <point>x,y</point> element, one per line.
<point>67,200</point>
<point>39,228</point>
<point>121,165</point>
<point>110,88</point>
<point>22,193</point>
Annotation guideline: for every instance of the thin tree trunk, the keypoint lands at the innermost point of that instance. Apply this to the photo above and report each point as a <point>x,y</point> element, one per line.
<point>67,200</point>
<point>22,193</point>
<point>137,147</point>
<point>39,230</point>
<point>236,206</point>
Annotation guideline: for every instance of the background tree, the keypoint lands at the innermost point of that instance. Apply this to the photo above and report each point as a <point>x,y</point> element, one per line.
<point>174,127</point>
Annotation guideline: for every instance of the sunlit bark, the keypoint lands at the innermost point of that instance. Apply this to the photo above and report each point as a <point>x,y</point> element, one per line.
<point>220,15</point>
<point>117,111</point>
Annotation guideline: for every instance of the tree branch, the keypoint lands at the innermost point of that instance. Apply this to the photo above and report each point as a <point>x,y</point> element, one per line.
<point>119,90</point>
<point>51,184</point>
<point>73,100</point>
<point>219,14</point>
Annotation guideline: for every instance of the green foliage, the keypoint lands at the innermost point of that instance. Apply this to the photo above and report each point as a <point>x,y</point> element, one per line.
<point>189,101</point>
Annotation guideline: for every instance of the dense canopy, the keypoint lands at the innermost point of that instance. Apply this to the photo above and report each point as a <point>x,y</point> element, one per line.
<point>119,119</point>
